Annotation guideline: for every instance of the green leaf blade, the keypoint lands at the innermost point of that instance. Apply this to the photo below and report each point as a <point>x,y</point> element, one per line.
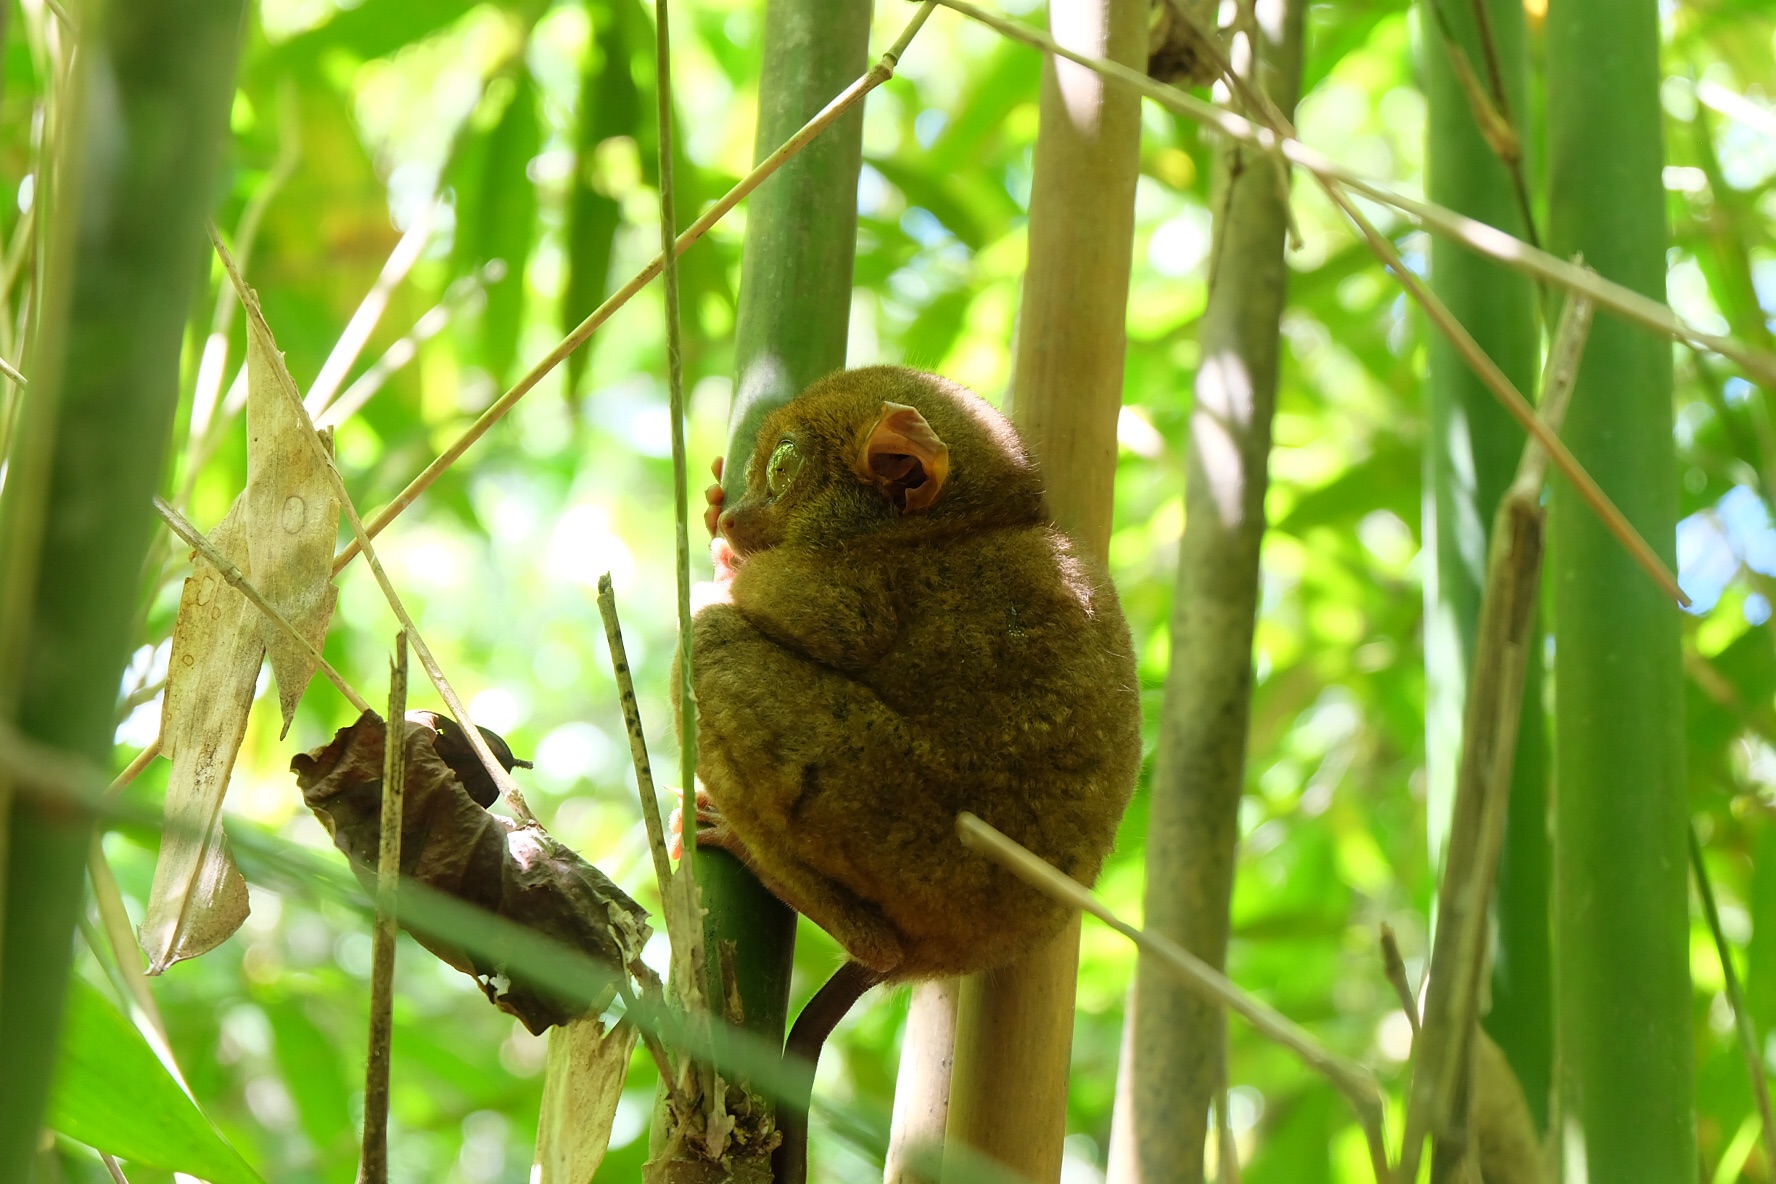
<point>112,1093</point>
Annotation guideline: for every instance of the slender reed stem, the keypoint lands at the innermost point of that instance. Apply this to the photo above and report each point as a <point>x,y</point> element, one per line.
<point>373,1160</point>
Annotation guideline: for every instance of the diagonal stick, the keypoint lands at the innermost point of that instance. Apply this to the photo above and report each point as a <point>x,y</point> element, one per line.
<point>881,72</point>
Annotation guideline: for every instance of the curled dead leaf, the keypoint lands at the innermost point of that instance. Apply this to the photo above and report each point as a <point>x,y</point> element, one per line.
<point>451,844</point>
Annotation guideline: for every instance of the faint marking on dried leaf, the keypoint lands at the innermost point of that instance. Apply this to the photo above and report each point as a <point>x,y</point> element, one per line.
<point>199,897</point>
<point>292,520</point>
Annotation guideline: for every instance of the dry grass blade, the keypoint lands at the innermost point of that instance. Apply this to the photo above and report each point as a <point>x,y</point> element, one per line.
<point>126,956</point>
<point>292,520</point>
<point>463,294</point>
<point>287,386</point>
<point>1355,1082</point>
<point>881,72</point>
<point>206,427</point>
<point>198,897</point>
<point>373,1158</point>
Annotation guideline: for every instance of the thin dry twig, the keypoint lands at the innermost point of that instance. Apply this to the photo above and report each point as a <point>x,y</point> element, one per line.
<point>1334,181</point>
<point>1254,98</point>
<point>501,778</point>
<point>134,769</point>
<point>841,103</point>
<point>1746,1027</point>
<point>238,581</point>
<point>373,1160</point>
<point>146,693</point>
<point>638,753</point>
<point>1356,1083</point>
<point>1394,967</point>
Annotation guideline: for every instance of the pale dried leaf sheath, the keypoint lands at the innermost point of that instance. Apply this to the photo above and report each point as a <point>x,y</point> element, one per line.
<point>292,523</point>
<point>199,897</point>
<point>587,1064</point>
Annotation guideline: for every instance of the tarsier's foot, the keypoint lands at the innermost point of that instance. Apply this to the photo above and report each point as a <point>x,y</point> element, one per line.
<point>712,829</point>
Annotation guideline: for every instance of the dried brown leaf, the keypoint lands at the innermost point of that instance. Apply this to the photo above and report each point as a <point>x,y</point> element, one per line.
<point>452,845</point>
<point>292,519</point>
<point>199,898</point>
<point>587,1065</point>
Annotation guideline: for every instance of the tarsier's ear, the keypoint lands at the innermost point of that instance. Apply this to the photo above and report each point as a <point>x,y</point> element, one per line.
<point>904,458</point>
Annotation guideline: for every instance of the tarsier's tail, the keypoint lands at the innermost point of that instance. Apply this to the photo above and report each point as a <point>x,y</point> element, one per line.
<point>822,1014</point>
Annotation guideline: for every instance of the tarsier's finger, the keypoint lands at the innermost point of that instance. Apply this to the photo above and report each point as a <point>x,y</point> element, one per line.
<point>714,496</point>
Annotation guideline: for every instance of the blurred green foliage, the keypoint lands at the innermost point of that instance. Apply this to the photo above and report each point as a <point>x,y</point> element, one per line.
<point>525,126</point>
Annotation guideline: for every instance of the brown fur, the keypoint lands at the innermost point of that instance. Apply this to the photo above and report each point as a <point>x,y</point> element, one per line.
<point>874,670</point>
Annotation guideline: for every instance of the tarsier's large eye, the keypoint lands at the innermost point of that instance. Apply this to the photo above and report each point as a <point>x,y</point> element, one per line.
<point>785,463</point>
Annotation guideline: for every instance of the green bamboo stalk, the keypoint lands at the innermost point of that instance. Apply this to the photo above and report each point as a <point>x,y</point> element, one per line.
<point>1470,458</point>
<point>793,317</point>
<point>1621,908</point>
<point>151,95</point>
<point>1179,1044</point>
<point>791,326</point>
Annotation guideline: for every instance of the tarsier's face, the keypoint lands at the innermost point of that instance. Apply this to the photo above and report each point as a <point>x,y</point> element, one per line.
<point>823,469</point>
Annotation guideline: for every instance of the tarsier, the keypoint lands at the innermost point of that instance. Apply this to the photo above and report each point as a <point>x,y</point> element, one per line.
<point>899,633</point>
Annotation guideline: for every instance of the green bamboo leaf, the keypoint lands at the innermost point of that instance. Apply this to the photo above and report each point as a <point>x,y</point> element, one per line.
<point>370,30</point>
<point>496,213</point>
<point>609,106</point>
<point>112,1093</point>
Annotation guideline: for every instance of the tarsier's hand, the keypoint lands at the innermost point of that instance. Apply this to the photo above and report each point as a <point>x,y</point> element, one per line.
<point>710,830</point>
<point>713,496</point>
